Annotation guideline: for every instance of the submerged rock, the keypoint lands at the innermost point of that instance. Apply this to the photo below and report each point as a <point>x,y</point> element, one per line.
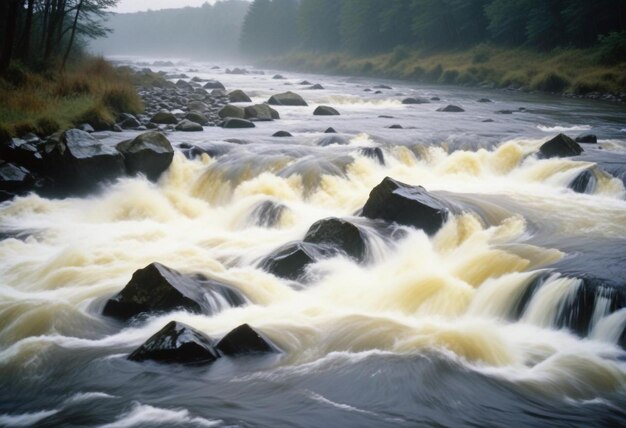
<point>451,109</point>
<point>267,214</point>
<point>157,288</point>
<point>245,340</point>
<point>333,139</point>
<point>325,111</point>
<point>290,261</point>
<point>407,205</point>
<point>287,99</point>
<point>585,182</point>
<point>339,234</point>
<point>149,153</point>
<point>587,138</point>
<point>330,130</point>
<point>374,153</point>
<point>412,100</point>
<point>282,134</point>
<point>484,100</point>
<point>177,343</point>
<point>560,146</point>
<point>236,123</point>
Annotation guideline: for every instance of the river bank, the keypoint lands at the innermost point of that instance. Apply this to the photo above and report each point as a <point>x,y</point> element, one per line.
<point>568,72</point>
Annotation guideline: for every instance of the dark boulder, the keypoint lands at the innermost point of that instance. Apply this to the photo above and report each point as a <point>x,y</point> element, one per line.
<point>560,146</point>
<point>213,84</point>
<point>14,179</point>
<point>304,82</point>
<point>407,205</point>
<point>198,118</point>
<point>451,109</point>
<point>504,112</point>
<point>129,123</point>
<point>260,112</point>
<point>149,153</point>
<point>159,289</point>
<point>325,111</point>
<point>338,234</point>
<point>395,126</point>
<point>316,87</point>
<point>235,123</point>
<point>333,139</point>
<point>374,153</point>
<point>21,153</point>
<point>415,101</point>
<point>487,121</point>
<point>184,85</point>
<point>278,77</point>
<point>484,100</point>
<point>164,118</point>
<point>330,130</point>
<point>245,340</point>
<point>282,134</point>
<point>177,343</point>
<point>287,99</point>
<point>382,87</point>
<point>239,96</point>
<point>231,111</point>
<point>291,260</point>
<point>187,125</point>
<point>585,182</point>
<point>587,138</point>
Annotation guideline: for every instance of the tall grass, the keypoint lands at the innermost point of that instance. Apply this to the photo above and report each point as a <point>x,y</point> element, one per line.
<point>92,91</point>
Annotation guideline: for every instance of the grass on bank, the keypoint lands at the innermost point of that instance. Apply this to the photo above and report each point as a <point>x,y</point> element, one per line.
<point>576,71</point>
<point>91,91</point>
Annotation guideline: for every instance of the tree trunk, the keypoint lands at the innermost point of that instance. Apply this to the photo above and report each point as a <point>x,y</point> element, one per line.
<point>9,34</point>
<point>72,34</point>
<point>25,48</point>
<point>44,26</point>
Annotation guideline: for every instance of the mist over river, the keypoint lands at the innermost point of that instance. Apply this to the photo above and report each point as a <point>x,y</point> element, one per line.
<point>476,325</point>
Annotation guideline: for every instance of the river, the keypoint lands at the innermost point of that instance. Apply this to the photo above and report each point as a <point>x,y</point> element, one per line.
<point>468,327</point>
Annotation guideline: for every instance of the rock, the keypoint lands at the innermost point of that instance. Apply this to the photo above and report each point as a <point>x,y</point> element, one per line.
<point>333,139</point>
<point>231,111</point>
<point>325,111</point>
<point>186,125</point>
<point>129,123</point>
<point>378,92</point>
<point>415,101</point>
<point>451,109</point>
<point>239,96</point>
<point>316,87</point>
<point>560,146</point>
<point>213,84</point>
<point>86,127</point>
<point>407,205</point>
<point>236,70</point>
<point>164,118</point>
<point>374,153</point>
<point>435,99</point>
<point>267,214</point>
<point>587,138</point>
<point>385,116</point>
<point>382,87</point>
<point>244,340</point>
<point>487,121</point>
<point>219,93</point>
<point>78,162</point>
<point>197,106</point>
<point>585,182</point>
<point>198,79</point>
<point>159,289</point>
<point>290,261</point>
<point>177,343</point>
<point>198,118</point>
<point>504,112</point>
<point>304,82</point>
<point>14,179</point>
<point>278,77</point>
<point>149,153</point>
<point>260,112</point>
<point>22,153</point>
<point>184,85</point>
<point>282,134</point>
<point>339,234</point>
<point>117,128</point>
<point>287,99</point>
<point>330,130</point>
<point>236,123</point>
<point>395,126</point>
<point>484,100</point>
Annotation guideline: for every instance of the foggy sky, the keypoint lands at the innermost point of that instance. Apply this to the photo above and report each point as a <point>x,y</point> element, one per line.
<point>137,5</point>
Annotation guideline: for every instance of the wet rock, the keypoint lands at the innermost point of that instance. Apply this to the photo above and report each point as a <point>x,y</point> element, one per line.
<point>407,205</point>
<point>451,109</point>
<point>415,101</point>
<point>435,99</point>
<point>487,121</point>
<point>382,87</point>
<point>177,343</point>
<point>585,182</point>
<point>560,146</point>
<point>184,85</point>
<point>198,79</point>
<point>22,153</point>
<point>374,153</point>
<point>304,82</point>
<point>213,84</point>
<point>186,125</point>
<point>231,111</point>
<point>339,234</point>
<point>260,112</point>
<point>245,340</point>
<point>86,127</point>
<point>278,77</point>
<point>78,162</point>
<point>330,130</point>
<point>267,214</point>
<point>325,111</point>
<point>236,70</point>
<point>333,139</point>
<point>287,99</point>
<point>239,96</point>
<point>587,138</point>
<point>395,126</point>
<point>385,116</point>
<point>198,118</point>
<point>129,123</point>
<point>316,87</point>
<point>164,118</point>
<point>235,123</point>
<point>291,260</point>
<point>282,134</point>
<point>159,289</point>
<point>14,179</point>
<point>219,93</point>
<point>197,106</point>
<point>504,112</point>
<point>484,100</point>
<point>149,153</point>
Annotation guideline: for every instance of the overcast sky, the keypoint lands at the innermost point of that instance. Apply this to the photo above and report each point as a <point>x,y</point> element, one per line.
<point>136,5</point>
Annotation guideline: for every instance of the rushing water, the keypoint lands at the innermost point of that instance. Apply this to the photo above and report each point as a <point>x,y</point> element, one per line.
<point>430,331</point>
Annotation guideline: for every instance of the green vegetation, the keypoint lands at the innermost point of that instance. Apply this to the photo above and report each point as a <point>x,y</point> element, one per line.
<point>556,46</point>
<point>92,91</point>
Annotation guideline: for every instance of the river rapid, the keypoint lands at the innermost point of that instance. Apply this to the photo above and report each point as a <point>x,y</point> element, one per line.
<point>474,326</point>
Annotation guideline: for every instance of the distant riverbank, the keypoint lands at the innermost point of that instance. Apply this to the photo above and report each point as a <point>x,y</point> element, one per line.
<point>572,72</point>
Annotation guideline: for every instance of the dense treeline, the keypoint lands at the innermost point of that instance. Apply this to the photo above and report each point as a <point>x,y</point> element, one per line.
<point>37,32</point>
<point>199,32</point>
<point>373,26</point>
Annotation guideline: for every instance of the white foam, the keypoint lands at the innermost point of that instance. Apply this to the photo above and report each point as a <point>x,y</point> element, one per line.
<point>563,128</point>
<point>26,419</point>
<point>144,415</point>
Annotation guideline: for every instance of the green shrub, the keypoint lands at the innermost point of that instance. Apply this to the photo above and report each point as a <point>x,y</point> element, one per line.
<point>611,48</point>
<point>23,128</point>
<point>550,82</point>
<point>47,126</point>
<point>435,72</point>
<point>482,54</point>
<point>97,116</point>
<point>449,76</point>
<point>5,135</point>
<point>122,99</point>
<point>400,53</point>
